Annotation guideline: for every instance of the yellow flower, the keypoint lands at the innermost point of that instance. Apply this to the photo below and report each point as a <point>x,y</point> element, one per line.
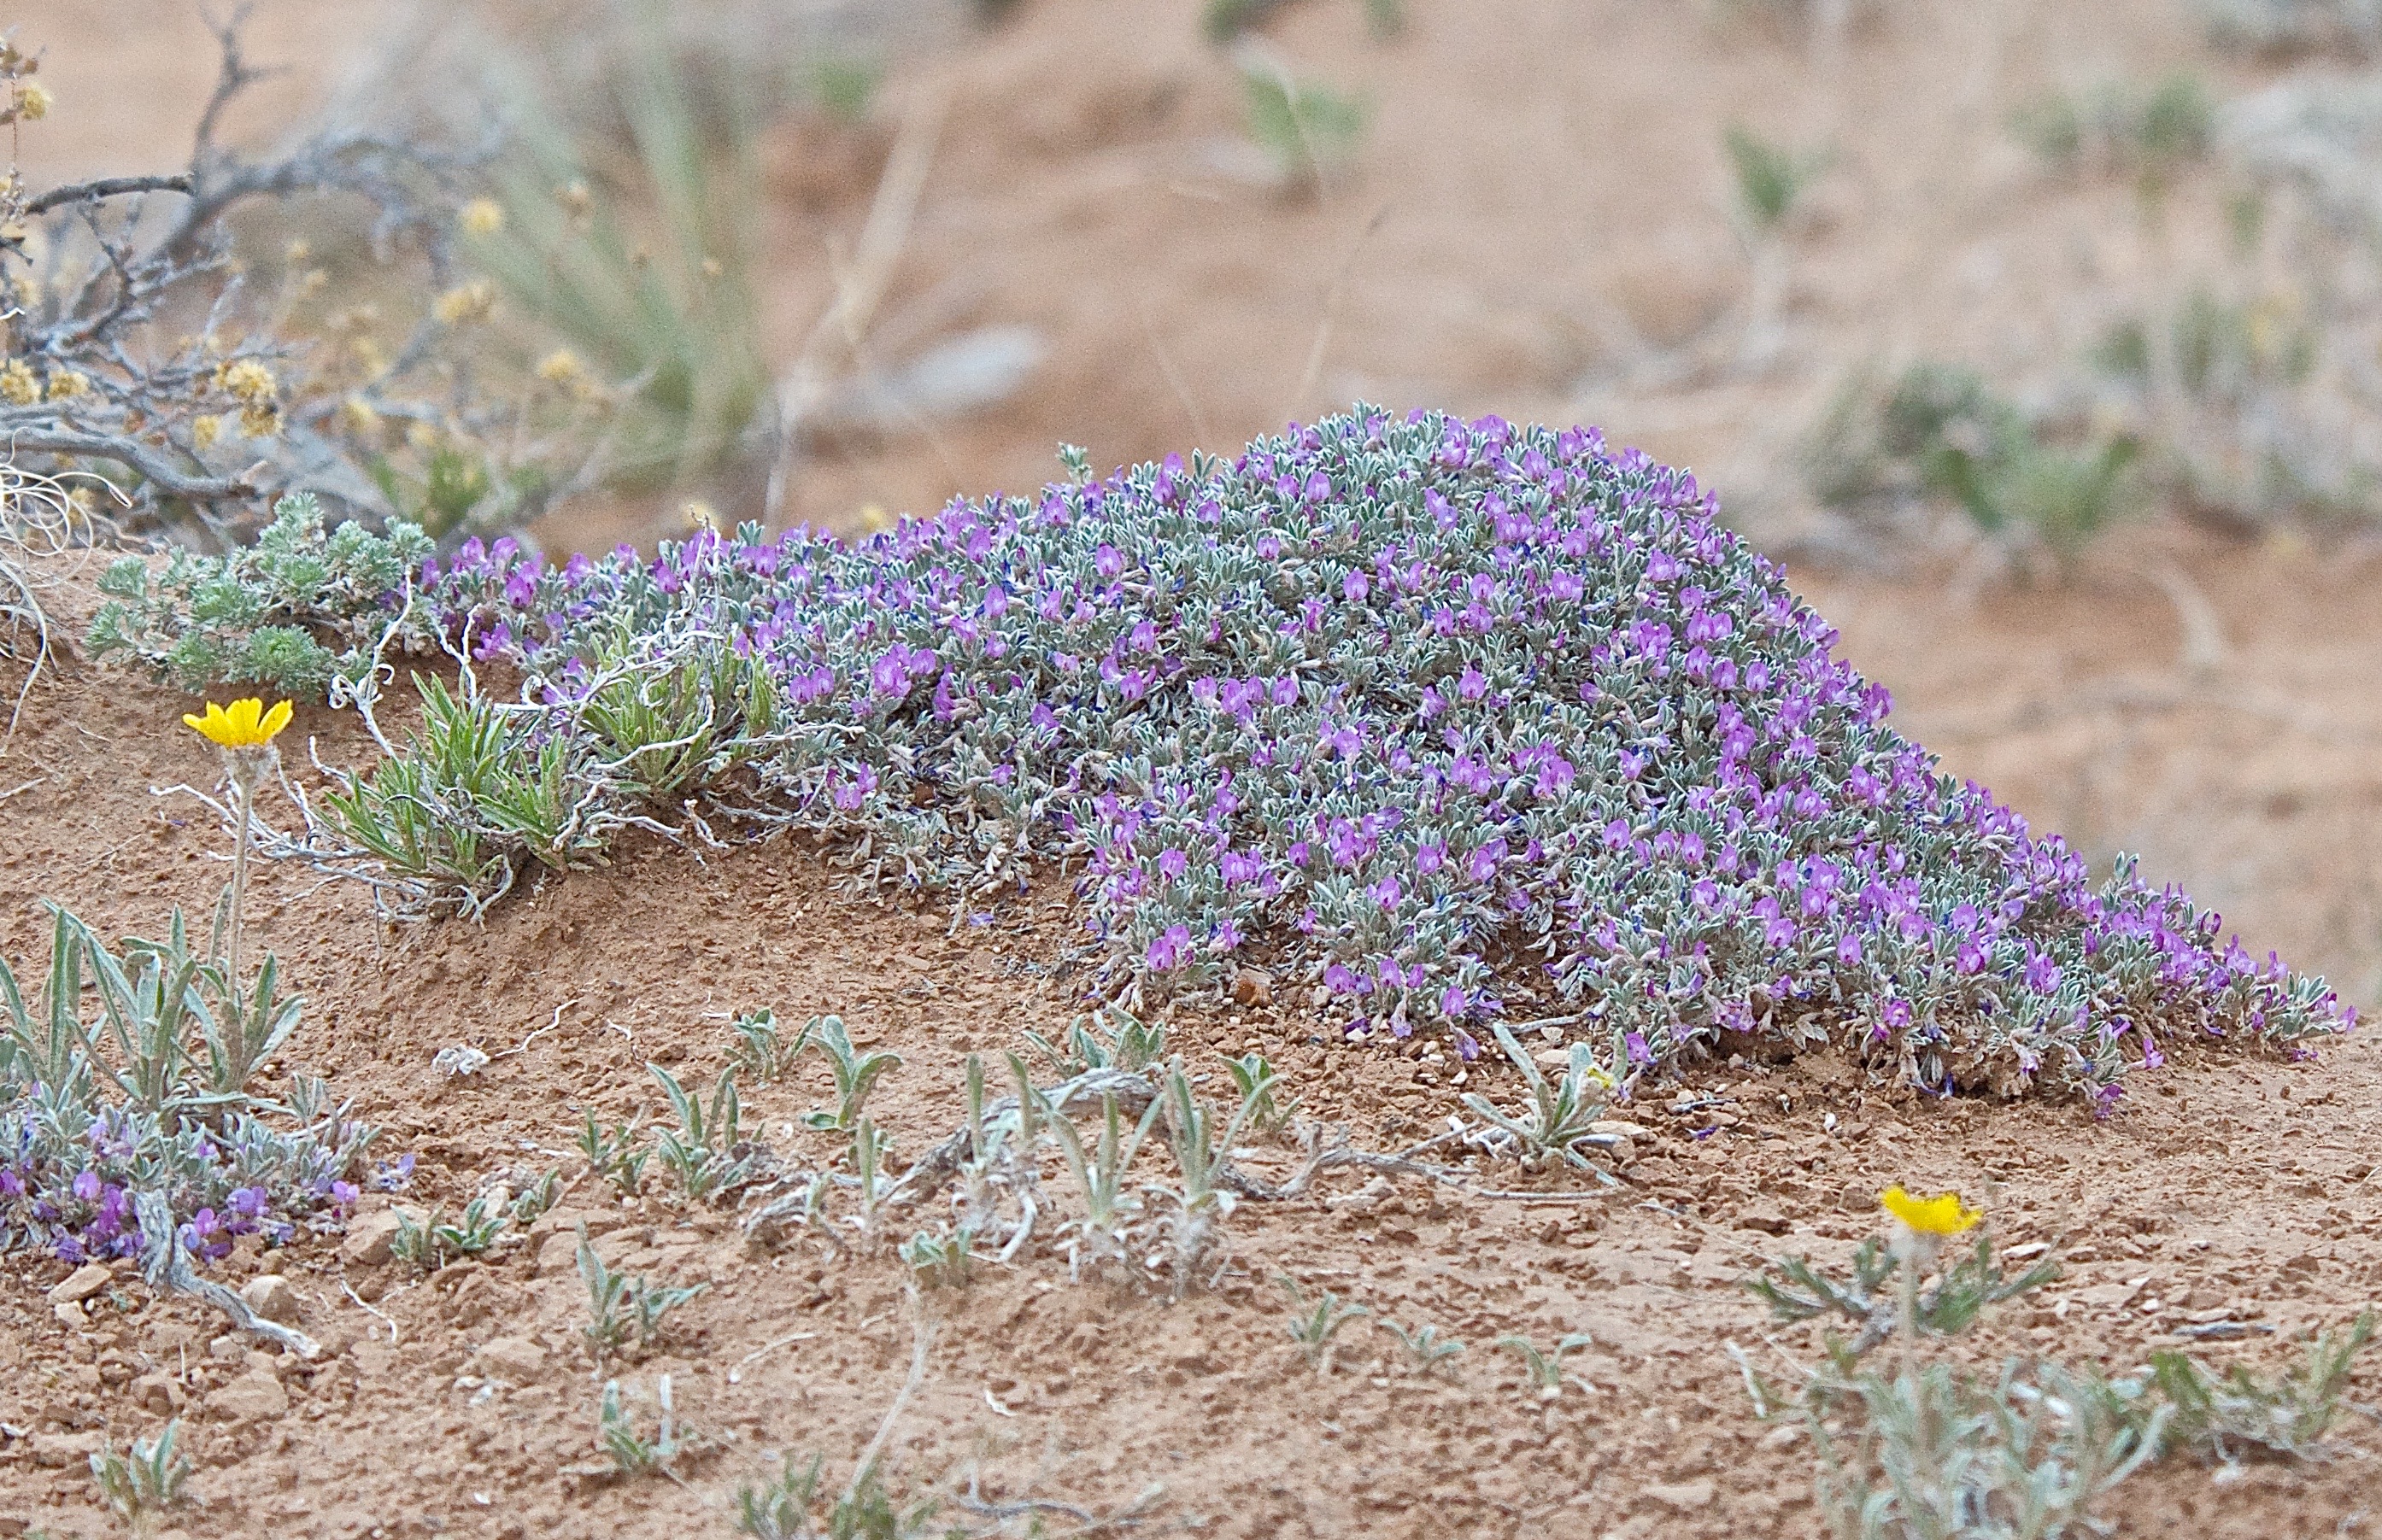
<point>262,419</point>
<point>68,381</point>
<point>369,357</point>
<point>482,216</point>
<point>32,101</point>
<point>1943,1214</point>
<point>359,415</point>
<point>471,301</point>
<point>562,367</point>
<point>243,725</point>
<point>874,519</point>
<point>247,379</point>
<point>204,431</point>
<point>17,387</point>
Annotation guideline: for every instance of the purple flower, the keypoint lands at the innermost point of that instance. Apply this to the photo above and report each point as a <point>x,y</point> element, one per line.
<point>1169,949</point>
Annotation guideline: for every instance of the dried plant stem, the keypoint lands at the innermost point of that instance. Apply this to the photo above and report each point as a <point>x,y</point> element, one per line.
<point>922,1340</point>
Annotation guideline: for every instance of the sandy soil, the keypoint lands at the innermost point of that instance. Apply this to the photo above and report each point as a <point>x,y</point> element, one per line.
<point>2225,1184</point>
<point>1538,224</point>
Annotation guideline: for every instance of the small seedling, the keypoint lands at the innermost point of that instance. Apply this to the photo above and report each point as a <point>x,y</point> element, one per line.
<point>145,1480</point>
<point>1561,1116</point>
<point>621,1306</point>
<point>534,1201</point>
<point>1425,1346</point>
<point>781,1509</point>
<point>701,1151</point>
<point>855,1072</point>
<point>986,1153</point>
<point>1199,1154</point>
<point>1131,1045</point>
<point>432,1243</point>
<point>944,1261</point>
<point>1254,1078</point>
<point>615,1155</point>
<point>628,1450</point>
<point>1314,1324</point>
<point>759,1050</point>
<point>1770,179</point>
<point>1543,1371</point>
<point>870,1148</point>
<point>1307,128</point>
<point>1100,1174</point>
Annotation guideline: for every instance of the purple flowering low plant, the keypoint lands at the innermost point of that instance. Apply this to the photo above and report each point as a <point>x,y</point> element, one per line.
<point>1459,721</point>
<point>83,1132</point>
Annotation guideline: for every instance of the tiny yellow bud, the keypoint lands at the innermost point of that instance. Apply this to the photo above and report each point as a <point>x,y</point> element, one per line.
<point>482,216</point>
<point>262,419</point>
<point>33,100</point>
<point>204,431</point>
<point>872,518</point>
<point>17,385</point>
<point>68,382</point>
<point>368,356</point>
<point>465,302</point>
<point>359,416</point>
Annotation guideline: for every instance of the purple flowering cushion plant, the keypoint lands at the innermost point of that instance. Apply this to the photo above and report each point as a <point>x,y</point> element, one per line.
<point>1460,721</point>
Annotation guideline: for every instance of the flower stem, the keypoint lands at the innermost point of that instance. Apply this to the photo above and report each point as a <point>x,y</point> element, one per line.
<point>243,793</point>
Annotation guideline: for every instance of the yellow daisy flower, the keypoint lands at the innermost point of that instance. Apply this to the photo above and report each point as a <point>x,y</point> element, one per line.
<point>245,724</point>
<point>1943,1214</point>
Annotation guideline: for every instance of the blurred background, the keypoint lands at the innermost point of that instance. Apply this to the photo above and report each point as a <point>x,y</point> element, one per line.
<point>2041,337</point>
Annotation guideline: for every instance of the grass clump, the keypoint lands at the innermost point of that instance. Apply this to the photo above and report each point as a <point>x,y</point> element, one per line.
<point>1459,720</point>
<point>664,306</point>
<point>2149,134</point>
<point>2238,429</point>
<point>1940,433</point>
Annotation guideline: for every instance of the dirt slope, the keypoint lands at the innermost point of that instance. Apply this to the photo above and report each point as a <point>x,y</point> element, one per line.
<point>2224,1184</point>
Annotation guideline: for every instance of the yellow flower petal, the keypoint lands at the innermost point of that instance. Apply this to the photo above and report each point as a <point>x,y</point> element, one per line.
<point>1943,1214</point>
<point>245,724</point>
